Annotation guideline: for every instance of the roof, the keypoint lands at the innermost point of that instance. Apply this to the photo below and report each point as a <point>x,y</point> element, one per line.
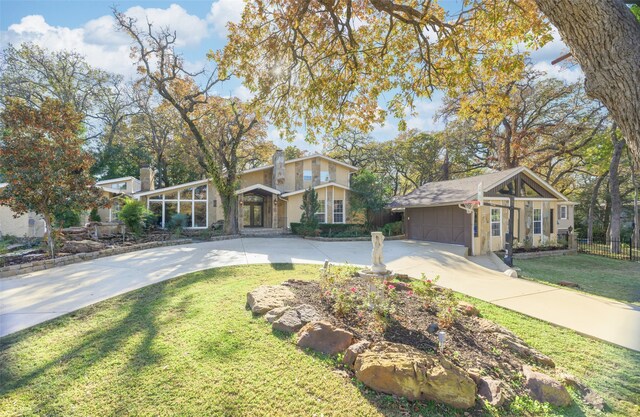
<point>456,191</point>
<point>116,180</point>
<point>317,187</point>
<point>290,161</point>
<point>173,187</point>
<point>258,187</point>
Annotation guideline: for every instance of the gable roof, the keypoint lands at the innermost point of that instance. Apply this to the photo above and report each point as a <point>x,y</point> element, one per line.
<point>317,187</point>
<point>315,155</point>
<point>139,194</point>
<point>108,181</point>
<point>456,191</point>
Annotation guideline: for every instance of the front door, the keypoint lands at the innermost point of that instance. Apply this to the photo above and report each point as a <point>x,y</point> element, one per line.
<point>253,211</point>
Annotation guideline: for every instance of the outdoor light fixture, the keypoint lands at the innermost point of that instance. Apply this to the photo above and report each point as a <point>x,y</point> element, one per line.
<point>442,337</point>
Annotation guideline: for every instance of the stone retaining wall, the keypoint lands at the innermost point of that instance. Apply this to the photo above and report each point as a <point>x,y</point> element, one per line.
<point>10,271</point>
<point>541,254</point>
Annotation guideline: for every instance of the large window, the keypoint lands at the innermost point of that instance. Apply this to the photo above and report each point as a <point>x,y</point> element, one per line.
<point>496,222</point>
<point>338,211</point>
<point>190,201</point>
<point>563,212</point>
<point>320,215</point>
<point>307,175</point>
<point>537,221</point>
<point>324,176</point>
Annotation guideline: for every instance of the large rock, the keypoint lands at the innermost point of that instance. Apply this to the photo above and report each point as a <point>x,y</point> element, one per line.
<point>268,297</point>
<point>81,246</point>
<point>293,319</point>
<point>405,371</point>
<point>324,337</point>
<point>518,347</point>
<point>467,309</point>
<point>276,313</point>
<point>491,390</point>
<point>545,389</point>
<point>353,351</point>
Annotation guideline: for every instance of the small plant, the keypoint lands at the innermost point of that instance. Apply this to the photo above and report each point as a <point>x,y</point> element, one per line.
<point>94,216</point>
<point>447,309</point>
<point>133,214</point>
<point>426,289</point>
<point>177,223</point>
<point>392,229</point>
<point>526,406</point>
<point>344,302</point>
<point>334,275</point>
<point>496,351</point>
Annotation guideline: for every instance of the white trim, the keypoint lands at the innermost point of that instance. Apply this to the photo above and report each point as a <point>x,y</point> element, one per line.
<point>117,180</point>
<point>533,221</point>
<point>304,158</point>
<point>173,187</point>
<point>491,222</point>
<point>328,184</point>
<point>260,187</point>
<point>333,215</point>
<point>566,212</point>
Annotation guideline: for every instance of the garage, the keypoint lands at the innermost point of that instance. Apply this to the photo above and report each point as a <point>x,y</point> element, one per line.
<point>445,224</point>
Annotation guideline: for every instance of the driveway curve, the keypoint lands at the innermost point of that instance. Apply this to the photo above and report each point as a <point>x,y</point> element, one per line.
<point>33,298</point>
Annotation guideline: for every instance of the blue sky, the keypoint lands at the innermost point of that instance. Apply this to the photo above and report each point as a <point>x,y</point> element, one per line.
<point>87,27</point>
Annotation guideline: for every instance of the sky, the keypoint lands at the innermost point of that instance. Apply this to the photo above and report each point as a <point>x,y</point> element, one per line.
<point>87,27</point>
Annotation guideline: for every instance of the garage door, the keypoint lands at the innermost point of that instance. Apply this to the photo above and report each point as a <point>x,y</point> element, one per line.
<point>448,224</point>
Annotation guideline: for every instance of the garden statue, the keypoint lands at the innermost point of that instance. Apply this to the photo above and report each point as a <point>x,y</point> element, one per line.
<point>378,265</point>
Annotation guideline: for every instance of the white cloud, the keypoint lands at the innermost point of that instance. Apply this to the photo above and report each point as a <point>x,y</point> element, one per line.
<point>243,93</point>
<point>273,134</point>
<point>570,74</point>
<point>98,40</point>
<point>223,12</point>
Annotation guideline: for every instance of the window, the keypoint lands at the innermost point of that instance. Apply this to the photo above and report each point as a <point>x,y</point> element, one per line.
<point>191,202</point>
<point>563,212</point>
<point>551,221</point>
<point>121,186</point>
<point>496,222</point>
<point>324,176</point>
<point>307,175</point>
<point>338,211</point>
<point>320,215</point>
<point>537,221</point>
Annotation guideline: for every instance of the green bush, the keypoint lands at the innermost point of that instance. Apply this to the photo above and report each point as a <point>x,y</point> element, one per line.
<point>177,223</point>
<point>392,229</point>
<point>94,216</point>
<point>66,218</point>
<point>134,215</point>
<point>329,230</point>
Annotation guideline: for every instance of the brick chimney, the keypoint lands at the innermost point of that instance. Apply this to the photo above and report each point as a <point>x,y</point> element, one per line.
<point>278,170</point>
<point>146,179</point>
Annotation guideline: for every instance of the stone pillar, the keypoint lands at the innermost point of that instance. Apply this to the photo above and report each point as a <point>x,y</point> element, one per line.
<point>278,177</point>
<point>299,172</point>
<point>315,171</point>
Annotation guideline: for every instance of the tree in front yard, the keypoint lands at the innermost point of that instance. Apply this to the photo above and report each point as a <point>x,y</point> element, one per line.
<point>310,206</point>
<point>369,194</point>
<point>43,162</point>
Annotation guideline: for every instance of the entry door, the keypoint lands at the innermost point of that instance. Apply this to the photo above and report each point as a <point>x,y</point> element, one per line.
<point>253,214</point>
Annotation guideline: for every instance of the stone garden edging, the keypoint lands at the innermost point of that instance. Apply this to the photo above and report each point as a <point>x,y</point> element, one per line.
<point>19,269</point>
<point>541,254</point>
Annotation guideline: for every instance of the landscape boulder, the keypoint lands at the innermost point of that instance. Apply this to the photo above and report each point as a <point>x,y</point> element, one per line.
<point>81,246</point>
<point>468,309</point>
<point>268,297</point>
<point>353,351</point>
<point>544,388</point>
<point>518,347</point>
<point>324,337</point>
<point>276,313</point>
<point>293,319</point>
<point>491,390</point>
<point>405,371</point>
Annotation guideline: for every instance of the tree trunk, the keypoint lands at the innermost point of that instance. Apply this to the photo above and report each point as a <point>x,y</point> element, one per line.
<point>592,207</point>
<point>445,165</point>
<point>51,242</point>
<point>230,210</point>
<point>614,191</point>
<point>636,212</point>
<point>603,37</point>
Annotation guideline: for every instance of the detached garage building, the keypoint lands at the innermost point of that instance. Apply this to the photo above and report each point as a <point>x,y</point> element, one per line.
<point>432,212</point>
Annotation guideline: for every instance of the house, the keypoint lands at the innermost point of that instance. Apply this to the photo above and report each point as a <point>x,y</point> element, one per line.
<point>269,196</point>
<point>432,211</point>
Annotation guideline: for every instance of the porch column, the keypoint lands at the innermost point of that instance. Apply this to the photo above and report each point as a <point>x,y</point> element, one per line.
<point>240,212</point>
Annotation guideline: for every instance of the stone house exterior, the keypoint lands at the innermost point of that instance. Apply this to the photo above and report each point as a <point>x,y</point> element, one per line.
<point>432,212</point>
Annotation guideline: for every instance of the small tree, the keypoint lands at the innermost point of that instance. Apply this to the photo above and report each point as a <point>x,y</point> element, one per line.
<point>134,215</point>
<point>44,164</point>
<point>369,193</point>
<point>310,207</point>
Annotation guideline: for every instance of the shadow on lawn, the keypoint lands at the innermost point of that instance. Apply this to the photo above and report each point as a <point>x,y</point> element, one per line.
<point>144,307</point>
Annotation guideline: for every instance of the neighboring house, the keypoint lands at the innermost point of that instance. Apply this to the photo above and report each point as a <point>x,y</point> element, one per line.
<point>269,196</point>
<point>26,225</point>
<point>431,212</point>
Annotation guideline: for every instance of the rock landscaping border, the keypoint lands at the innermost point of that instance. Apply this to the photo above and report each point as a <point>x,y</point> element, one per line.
<point>541,254</point>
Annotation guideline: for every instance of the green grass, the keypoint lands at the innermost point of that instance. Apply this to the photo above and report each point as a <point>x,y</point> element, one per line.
<point>617,279</point>
<point>189,347</point>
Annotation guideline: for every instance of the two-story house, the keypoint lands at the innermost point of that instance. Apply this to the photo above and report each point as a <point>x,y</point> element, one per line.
<point>269,196</point>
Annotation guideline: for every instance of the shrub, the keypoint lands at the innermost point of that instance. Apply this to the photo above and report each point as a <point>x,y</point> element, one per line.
<point>67,218</point>
<point>447,309</point>
<point>392,229</point>
<point>177,223</point>
<point>344,302</point>
<point>94,216</point>
<point>134,215</point>
<point>426,289</point>
<point>309,207</point>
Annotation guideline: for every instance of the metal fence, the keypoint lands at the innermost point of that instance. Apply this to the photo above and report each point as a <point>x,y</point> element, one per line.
<point>615,249</point>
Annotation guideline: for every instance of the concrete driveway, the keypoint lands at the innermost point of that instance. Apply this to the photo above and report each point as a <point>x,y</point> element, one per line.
<point>32,298</point>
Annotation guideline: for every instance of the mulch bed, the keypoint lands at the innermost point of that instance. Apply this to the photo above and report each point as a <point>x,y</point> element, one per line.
<point>467,345</point>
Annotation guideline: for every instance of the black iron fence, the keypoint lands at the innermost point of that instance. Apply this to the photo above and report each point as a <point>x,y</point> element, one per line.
<point>616,249</point>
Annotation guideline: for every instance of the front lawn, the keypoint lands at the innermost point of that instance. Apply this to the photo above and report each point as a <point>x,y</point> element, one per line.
<point>189,347</point>
<point>617,279</point>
